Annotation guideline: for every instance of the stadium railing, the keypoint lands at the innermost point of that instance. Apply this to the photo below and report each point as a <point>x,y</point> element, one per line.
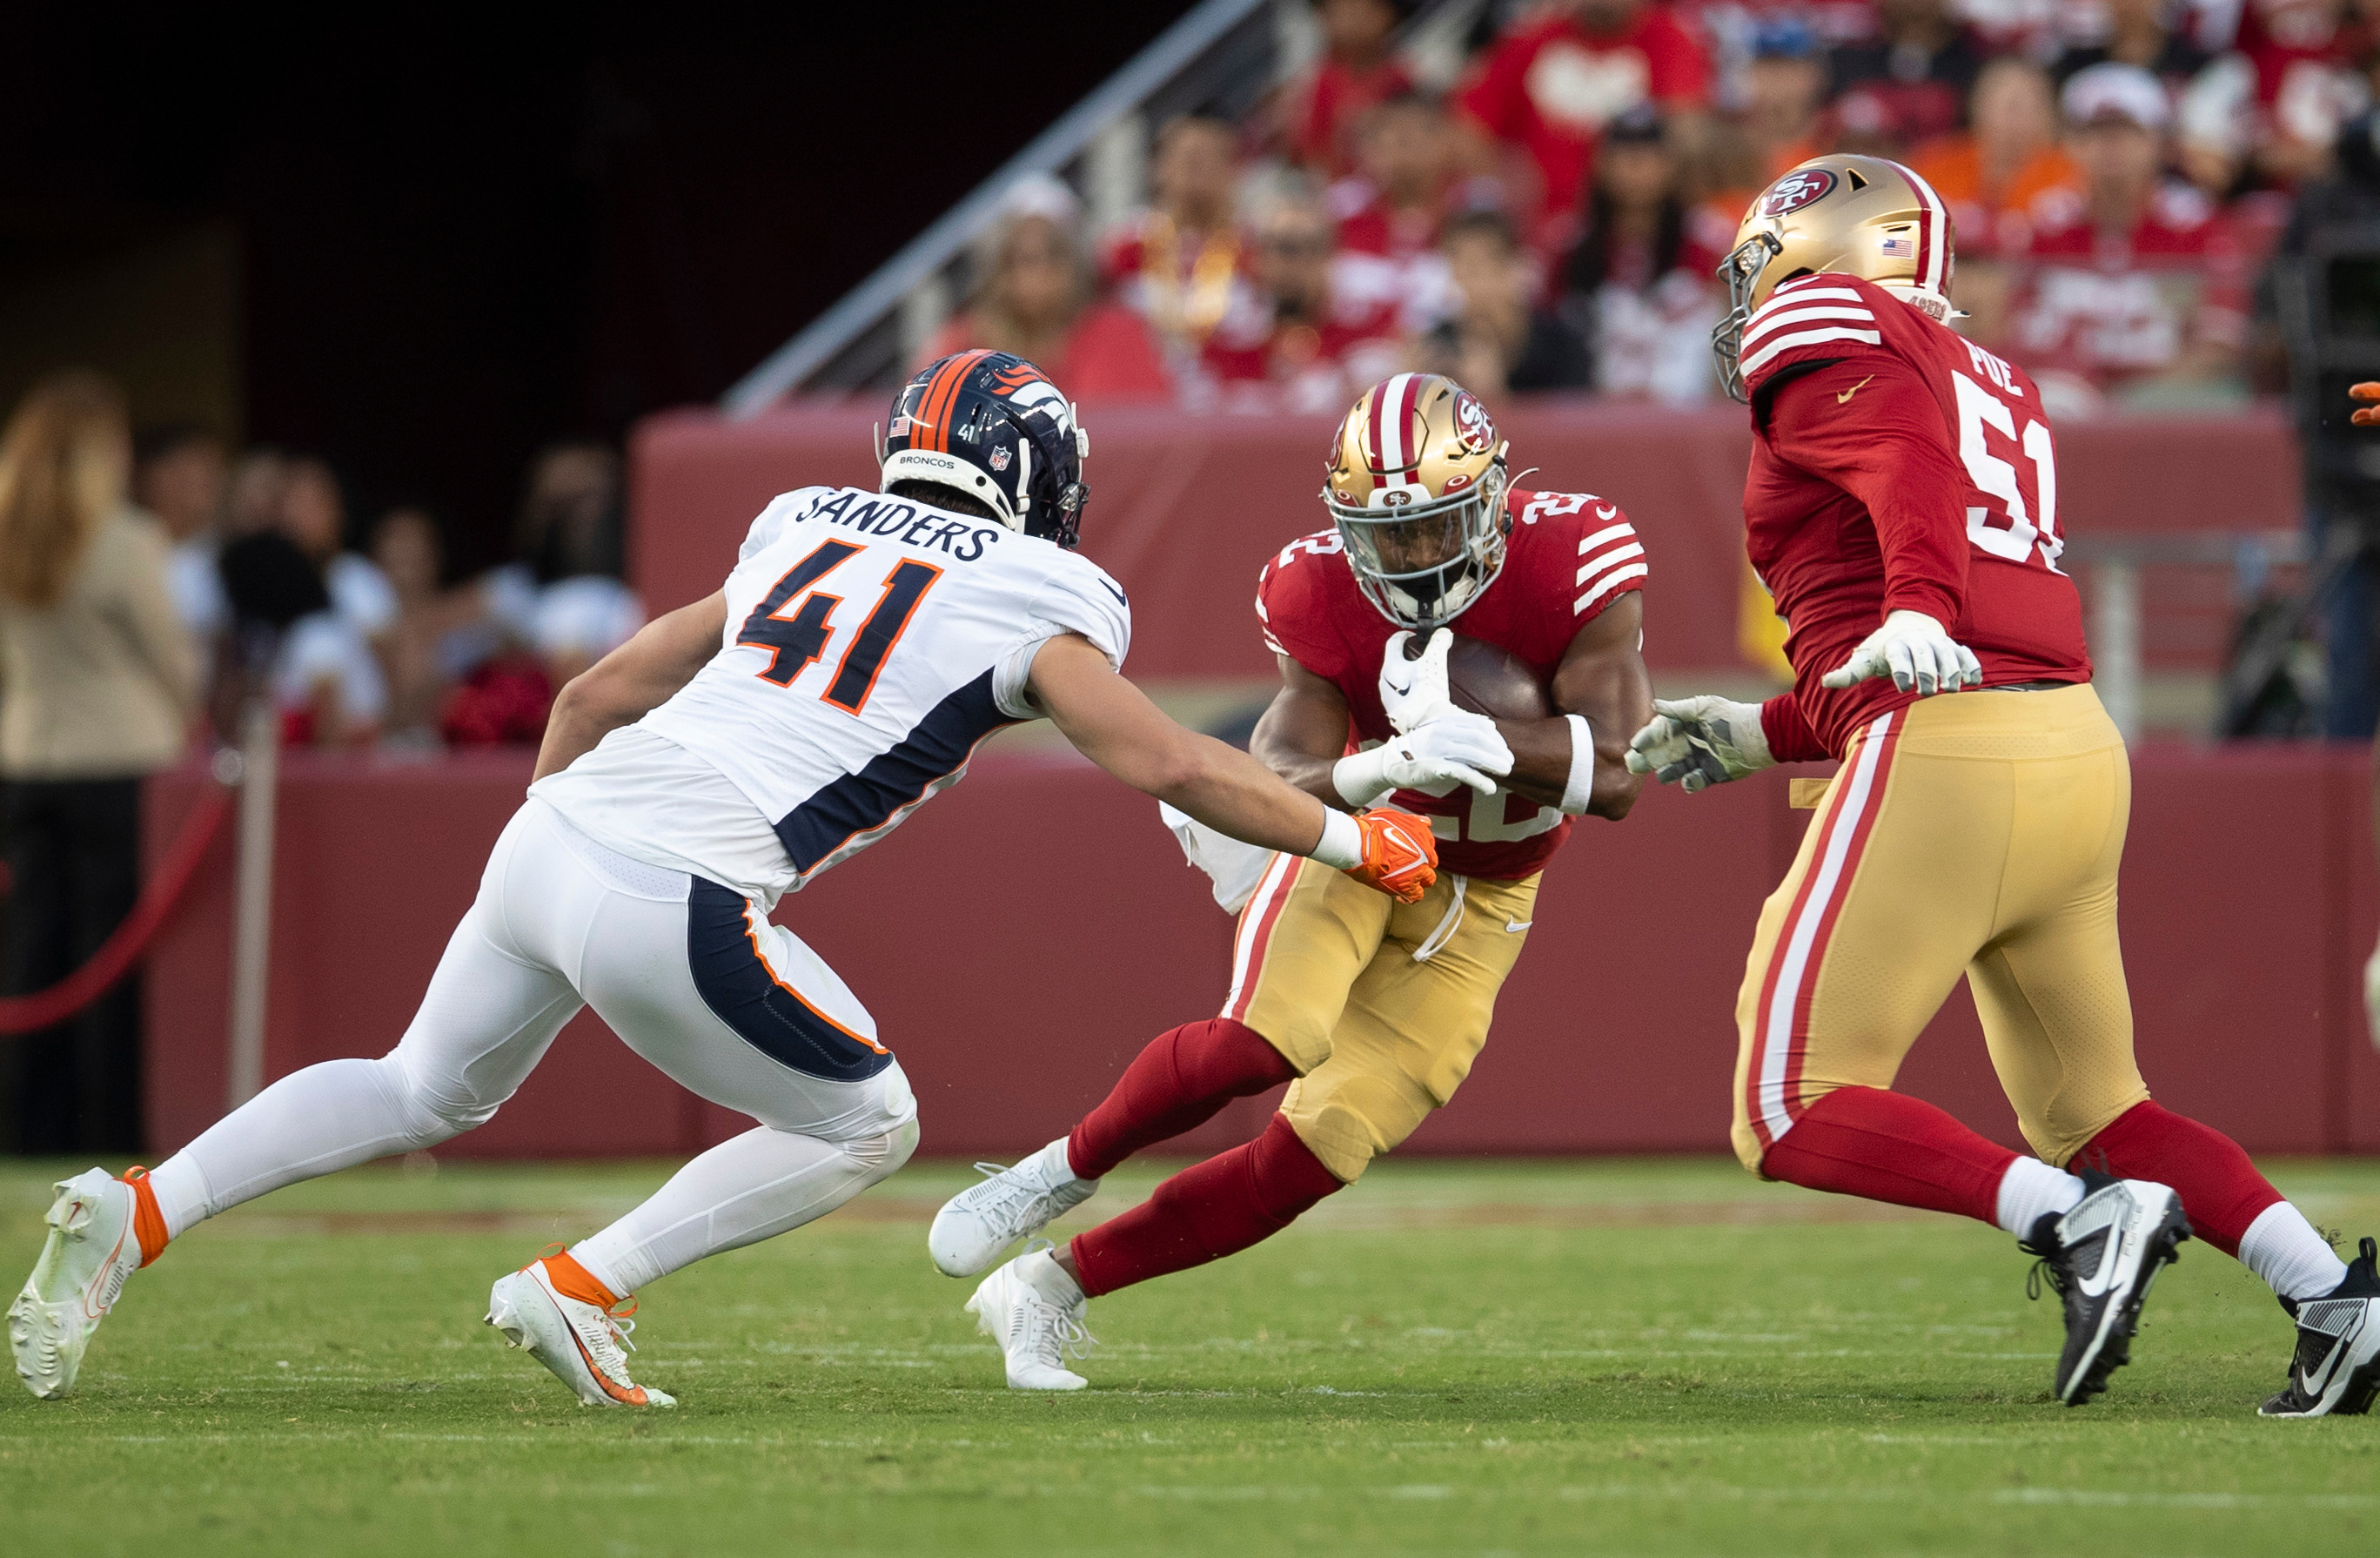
<point>1222,57</point>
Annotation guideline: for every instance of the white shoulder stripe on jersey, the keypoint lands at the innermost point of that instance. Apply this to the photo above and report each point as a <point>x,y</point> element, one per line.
<point>1613,558</point>
<point>1769,353</point>
<point>1612,581</point>
<point>1778,300</point>
<point>1803,316</point>
<point>1612,532</point>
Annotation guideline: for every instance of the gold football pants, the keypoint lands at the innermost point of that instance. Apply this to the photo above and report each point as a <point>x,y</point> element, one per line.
<point>1977,832</point>
<point>1381,1006</point>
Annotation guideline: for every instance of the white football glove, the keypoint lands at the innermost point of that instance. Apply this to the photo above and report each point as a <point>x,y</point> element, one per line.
<point>1698,742</point>
<point>1457,749</point>
<point>1914,651</point>
<point>1414,692</point>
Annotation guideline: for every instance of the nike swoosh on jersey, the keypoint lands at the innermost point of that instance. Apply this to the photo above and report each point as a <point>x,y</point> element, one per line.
<point>1516,926</point>
<point>1120,598</point>
<point>1844,398</point>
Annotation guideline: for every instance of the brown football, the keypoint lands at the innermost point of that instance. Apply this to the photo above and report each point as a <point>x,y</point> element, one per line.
<point>1489,680</point>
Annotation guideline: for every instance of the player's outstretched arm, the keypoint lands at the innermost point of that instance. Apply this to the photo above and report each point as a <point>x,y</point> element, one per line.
<point>631,681</point>
<point>1114,724</point>
<point>1603,681</point>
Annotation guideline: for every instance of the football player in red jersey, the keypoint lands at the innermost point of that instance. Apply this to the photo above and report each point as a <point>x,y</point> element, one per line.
<point>1373,1017</point>
<point>1902,508</point>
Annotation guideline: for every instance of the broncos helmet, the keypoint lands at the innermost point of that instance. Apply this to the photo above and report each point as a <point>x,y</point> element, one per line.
<point>991,426</point>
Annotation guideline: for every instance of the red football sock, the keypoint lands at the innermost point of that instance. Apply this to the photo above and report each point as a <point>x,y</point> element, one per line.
<point>2220,1187</point>
<point>1205,1212</point>
<point>1889,1147</point>
<point>1180,1080</point>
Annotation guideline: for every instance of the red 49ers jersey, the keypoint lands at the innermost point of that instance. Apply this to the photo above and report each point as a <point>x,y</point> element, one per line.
<point>1897,467</point>
<point>1569,556</point>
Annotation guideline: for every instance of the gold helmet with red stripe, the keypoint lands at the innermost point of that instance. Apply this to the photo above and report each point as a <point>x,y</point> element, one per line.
<point>1416,482</point>
<point>1848,216</point>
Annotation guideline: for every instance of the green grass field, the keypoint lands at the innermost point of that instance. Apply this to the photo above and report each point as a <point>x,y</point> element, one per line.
<point>1635,1355</point>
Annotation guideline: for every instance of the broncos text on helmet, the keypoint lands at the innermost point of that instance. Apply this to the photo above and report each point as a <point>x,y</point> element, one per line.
<point>993,427</point>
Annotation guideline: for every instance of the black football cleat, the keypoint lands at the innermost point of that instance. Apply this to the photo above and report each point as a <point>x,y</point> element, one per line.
<point>2100,1258</point>
<point>2336,1369</point>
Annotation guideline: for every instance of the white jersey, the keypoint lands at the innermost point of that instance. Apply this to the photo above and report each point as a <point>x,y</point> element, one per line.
<point>871,642</point>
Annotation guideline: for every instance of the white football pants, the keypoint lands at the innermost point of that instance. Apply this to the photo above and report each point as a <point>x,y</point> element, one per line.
<point>691,976</point>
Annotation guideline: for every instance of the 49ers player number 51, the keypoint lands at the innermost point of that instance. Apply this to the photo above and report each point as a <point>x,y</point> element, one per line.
<point>1903,507</point>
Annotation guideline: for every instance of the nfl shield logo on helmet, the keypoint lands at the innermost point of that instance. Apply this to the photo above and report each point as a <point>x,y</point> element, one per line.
<point>1795,190</point>
<point>999,459</point>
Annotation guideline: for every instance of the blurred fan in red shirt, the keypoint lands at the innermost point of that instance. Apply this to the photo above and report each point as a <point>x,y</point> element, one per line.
<point>2280,98</point>
<point>1993,175</point>
<point>1920,68</point>
<point>1036,299</point>
<point>1176,263</point>
<point>1316,326</point>
<point>1397,206</point>
<point>2137,291</point>
<point>1639,283</point>
<point>1548,87</point>
<point>1355,72</point>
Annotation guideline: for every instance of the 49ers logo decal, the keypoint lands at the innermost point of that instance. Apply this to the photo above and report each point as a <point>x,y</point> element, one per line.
<point>1795,190</point>
<point>1471,424</point>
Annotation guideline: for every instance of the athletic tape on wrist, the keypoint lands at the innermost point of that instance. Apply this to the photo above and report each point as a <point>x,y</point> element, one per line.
<point>1581,787</point>
<point>1342,845</point>
<point>1361,777</point>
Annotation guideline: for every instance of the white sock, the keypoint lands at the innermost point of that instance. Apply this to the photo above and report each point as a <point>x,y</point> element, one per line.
<point>747,1188</point>
<point>1041,1272</point>
<point>180,1187</point>
<point>2282,1247</point>
<point>1057,1163</point>
<point>2031,1190</point>
<point>311,1122</point>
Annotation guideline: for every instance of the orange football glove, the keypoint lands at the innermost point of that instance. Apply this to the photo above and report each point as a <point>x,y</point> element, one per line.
<point>1400,855</point>
<point>2368,415</point>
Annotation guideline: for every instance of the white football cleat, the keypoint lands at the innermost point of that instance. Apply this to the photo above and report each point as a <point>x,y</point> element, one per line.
<point>1035,1312</point>
<point>91,1250</point>
<point>976,1224</point>
<point>584,1345</point>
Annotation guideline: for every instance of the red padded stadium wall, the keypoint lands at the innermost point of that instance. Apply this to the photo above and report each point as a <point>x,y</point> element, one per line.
<point>1024,934</point>
<point>1185,510</point>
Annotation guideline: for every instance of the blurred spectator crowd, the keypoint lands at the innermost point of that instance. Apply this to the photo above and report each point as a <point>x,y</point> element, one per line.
<point>352,625</point>
<point>2118,171</point>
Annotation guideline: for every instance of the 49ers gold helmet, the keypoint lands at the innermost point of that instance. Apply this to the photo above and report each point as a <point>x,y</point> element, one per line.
<point>1857,216</point>
<point>1416,483</point>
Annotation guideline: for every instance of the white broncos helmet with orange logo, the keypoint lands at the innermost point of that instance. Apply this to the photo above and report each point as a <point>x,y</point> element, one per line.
<point>1416,483</point>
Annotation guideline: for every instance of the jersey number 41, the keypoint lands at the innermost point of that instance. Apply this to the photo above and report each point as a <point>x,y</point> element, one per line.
<point>799,638</point>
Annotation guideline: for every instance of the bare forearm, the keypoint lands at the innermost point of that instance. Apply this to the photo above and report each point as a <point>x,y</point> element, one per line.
<point>1234,794</point>
<point>575,728</point>
<point>1302,770</point>
<point>1303,734</point>
<point>630,682</point>
<point>1543,752</point>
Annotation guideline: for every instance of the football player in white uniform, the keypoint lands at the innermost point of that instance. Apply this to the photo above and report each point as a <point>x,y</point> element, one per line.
<point>732,750</point>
